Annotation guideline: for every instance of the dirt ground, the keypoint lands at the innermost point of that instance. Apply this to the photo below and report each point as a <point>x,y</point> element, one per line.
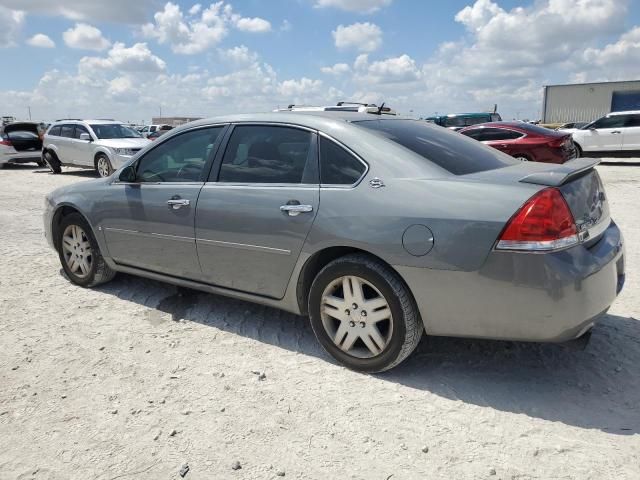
<point>136,379</point>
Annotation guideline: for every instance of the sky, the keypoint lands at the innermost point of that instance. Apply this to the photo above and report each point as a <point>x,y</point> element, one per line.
<point>131,59</point>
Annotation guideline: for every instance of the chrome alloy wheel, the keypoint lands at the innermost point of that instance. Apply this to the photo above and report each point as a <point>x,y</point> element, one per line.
<point>522,159</point>
<point>77,251</point>
<point>104,167</point>
<point>356,316</point>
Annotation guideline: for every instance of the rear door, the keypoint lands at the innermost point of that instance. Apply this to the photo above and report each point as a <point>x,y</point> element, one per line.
<point>149,223</point>
<point>631,133</point>
<point>257,208</point>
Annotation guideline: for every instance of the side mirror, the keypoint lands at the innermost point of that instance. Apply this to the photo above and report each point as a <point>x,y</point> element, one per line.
<point>85,136</point>
<point>128,174</point>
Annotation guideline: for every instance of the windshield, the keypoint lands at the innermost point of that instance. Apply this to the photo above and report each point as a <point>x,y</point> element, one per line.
<point>113,130</point>
<point>455,153</point>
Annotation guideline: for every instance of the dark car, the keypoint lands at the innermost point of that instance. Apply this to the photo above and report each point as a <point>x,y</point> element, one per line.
<point>457,121</point>
<point>525,142</point>
<point>157,134</point>
<point>20,142</point>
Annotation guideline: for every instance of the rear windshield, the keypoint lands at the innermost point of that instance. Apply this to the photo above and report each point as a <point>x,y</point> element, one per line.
<point>529,127</point>
<point>455,153</point>
<point>461,121</point>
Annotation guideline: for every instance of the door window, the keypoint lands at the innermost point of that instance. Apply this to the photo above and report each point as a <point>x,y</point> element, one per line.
<point>269,154</point>
<point>55,131</point>
<point>67,131</point>
<point>179,159</point>
<point>79,130</point>
<point>337,166</point>
<point>614,121</point>
<point>492,134</point>
<point>632,121</point>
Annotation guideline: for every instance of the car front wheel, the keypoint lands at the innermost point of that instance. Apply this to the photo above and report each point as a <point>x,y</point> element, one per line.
<point>103,166</point>
<point>80,254</point>
<point>52,162</point>
<point>363,314</point>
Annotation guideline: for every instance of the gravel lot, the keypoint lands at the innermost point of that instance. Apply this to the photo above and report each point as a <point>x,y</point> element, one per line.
<point>137,378</point>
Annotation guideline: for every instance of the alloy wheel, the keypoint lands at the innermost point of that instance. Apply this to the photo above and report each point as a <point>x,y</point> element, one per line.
<point>356,316</point>
<point>77,251</point>
<point>104,169</point>
<point>522,159</point>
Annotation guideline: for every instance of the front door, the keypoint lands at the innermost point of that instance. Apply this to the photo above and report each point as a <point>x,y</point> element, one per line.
<point>604,134</point>
<point>149,223</point>
<point>255,213</point>
<point>631,133</point>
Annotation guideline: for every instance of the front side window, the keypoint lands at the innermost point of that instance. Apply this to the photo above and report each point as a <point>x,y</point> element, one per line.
<point>114,130</point>
<point>269,154</point>
<point>179,159</point>
<point>55,131</point>
<point>67,131</point>
<point>614,121</point>
<point>79,130</point>
<point>337,166</point>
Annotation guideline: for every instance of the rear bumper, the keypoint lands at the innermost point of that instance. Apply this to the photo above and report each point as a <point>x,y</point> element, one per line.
<point>20,157</point>
<point>550,297</point>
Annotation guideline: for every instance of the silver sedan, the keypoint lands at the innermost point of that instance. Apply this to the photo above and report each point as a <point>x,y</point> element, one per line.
<point>378,228</point>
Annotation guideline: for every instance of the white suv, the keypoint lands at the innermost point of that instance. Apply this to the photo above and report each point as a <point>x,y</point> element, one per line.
<point>616,132</point>
<point>101,144</point>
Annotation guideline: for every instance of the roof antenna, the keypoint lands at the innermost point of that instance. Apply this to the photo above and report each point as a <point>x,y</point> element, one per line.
<point>380,108</point>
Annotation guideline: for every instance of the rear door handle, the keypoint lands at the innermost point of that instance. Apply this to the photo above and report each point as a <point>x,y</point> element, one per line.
<point>616,132</point>
<point>294,210</point>
<point>177,203</point>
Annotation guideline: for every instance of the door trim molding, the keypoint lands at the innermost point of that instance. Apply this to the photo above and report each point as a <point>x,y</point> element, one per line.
<point>244,246</point>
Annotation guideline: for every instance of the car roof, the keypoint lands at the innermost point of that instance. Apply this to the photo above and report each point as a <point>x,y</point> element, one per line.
<point>95,121</point>
<point>627,112</point>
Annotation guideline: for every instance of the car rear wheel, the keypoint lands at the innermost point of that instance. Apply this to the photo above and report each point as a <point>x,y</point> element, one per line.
<point>103,166</point>
<point>522,158</point>
<point>578,150</point>
<point>52,162</point>
<point>80,254</point>
<point>363,314</point>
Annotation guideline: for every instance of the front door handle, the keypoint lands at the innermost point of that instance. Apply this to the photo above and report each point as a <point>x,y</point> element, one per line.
<point>294,210</point>
<point>616,132</point>
<point>177,203</point>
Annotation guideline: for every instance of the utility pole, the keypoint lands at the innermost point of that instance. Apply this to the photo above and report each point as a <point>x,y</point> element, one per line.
<point>160,111</point>
<point>29,108</point>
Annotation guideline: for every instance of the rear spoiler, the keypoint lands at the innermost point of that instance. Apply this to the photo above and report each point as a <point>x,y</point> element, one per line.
<point>561,174</point>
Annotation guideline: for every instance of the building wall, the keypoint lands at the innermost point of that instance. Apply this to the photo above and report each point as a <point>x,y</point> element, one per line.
<point>581,102</point>
<point>173,121</point>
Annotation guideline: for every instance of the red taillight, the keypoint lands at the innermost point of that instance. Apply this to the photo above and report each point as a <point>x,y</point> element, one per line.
<point>560,142</point>
<point>543,223</point>
<point>6,142</point>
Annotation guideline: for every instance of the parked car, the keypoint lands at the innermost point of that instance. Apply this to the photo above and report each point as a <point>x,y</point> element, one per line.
<point>101,144</point>
<point>157,134</point>
<point>571,125</point>
<point>525,142</point>
<point>457,121</point>
<point>149,129</point>
<point>20,142</point>
<point>378,228</point>
<point>615,133</point>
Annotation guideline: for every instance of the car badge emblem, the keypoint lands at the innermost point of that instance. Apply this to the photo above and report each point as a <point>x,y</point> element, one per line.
<point>376,183</point>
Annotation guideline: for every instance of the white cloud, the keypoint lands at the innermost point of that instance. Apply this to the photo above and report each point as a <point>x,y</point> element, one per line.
<point>41,40</point>
<point>11,22</point>
<point>337,69</point>
<point>394,70</point>
<point>135,59</point>
<point>85,37</point>
<point>123,11</point>
<point>195,9</point>
<point>299,88</point>
<point>285,26</point>
<point>620,60</point>
<point>364,37</point>
<point>199,30</point>
<point>239,55</point>
<point>359,6</point>
<point>253,25</point>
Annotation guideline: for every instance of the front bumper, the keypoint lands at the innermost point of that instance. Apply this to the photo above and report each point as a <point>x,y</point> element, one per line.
<point>549,297</point>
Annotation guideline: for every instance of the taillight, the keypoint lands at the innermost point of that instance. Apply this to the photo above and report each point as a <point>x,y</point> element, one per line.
<point>560,142</point>
<point>5,141</point>
<point>543,223</point>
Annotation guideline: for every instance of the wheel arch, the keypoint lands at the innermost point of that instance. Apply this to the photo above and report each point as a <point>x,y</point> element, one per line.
<point>61,212</point>
<point>321,259</point>
<point>100,153</point>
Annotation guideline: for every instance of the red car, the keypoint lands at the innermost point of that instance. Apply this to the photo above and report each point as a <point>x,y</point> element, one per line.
<point>525,141</point>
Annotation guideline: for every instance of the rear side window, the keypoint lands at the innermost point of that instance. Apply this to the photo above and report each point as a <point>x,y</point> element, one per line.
<point>633,121</point>
<point>67,131</point>
<point>492,134</point>
<point>55,131</point>
<point>268,154</point>
<point>337,166</point>
<point>454,152</point>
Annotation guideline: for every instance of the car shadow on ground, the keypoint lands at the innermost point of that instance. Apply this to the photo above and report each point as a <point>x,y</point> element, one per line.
<point>594,388</point>
<point>77,172</point>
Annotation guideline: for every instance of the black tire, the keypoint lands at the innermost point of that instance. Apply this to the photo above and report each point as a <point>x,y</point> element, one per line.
<point>41,163</point>
<point>103,157</point>
<point>99,272</point>
<point>578,150</point>
<point>407,324</point>
<point>52,162</point>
